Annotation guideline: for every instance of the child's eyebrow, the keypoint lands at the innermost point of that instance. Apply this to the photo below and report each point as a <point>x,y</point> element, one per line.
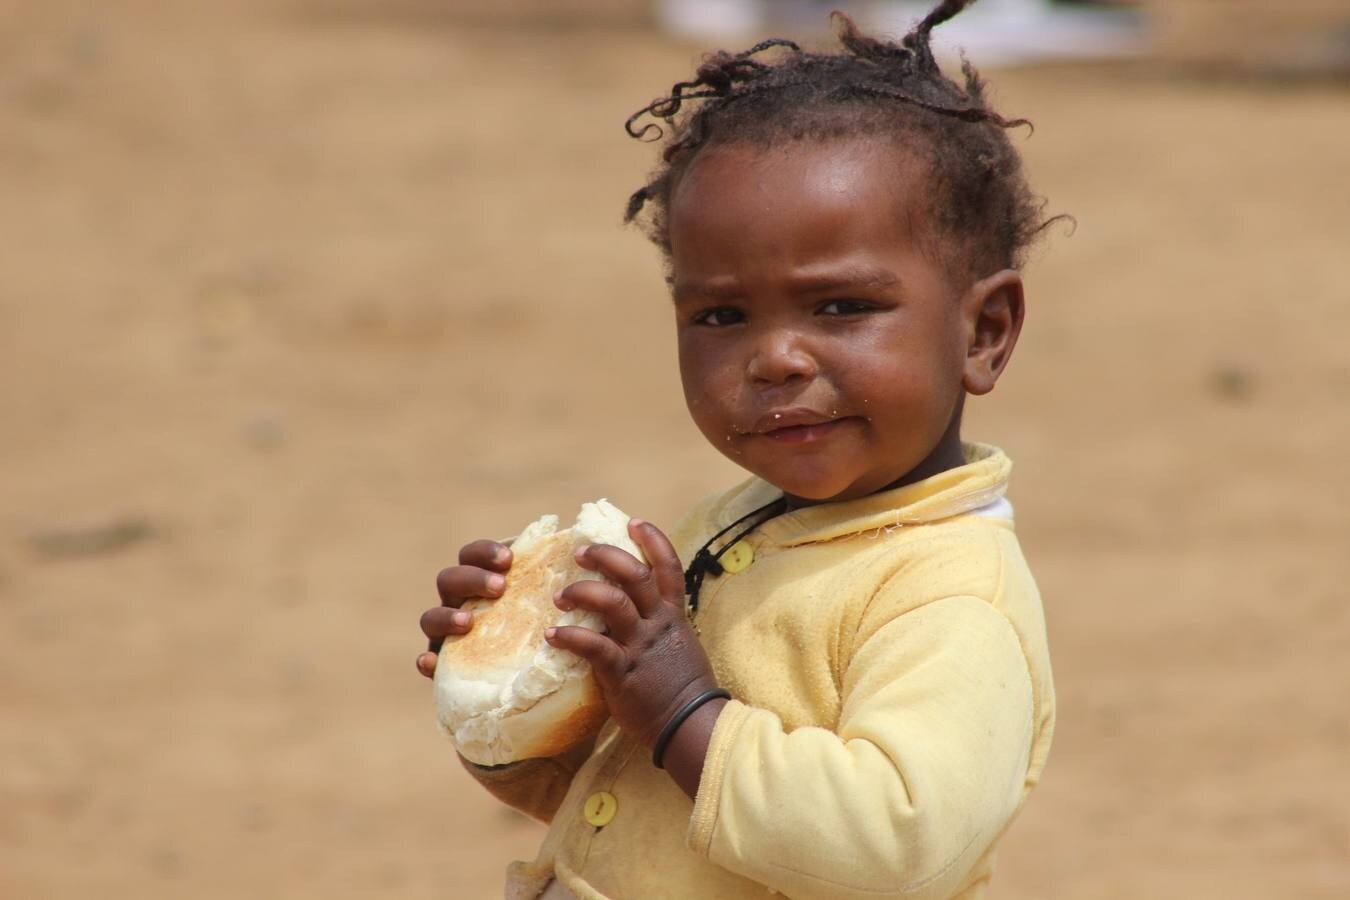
<point>804,281</point>
<point>721,289</point>
<point>836,278</point>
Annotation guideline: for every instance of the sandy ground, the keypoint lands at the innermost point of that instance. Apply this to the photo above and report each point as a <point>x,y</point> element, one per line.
<point>292,305</point>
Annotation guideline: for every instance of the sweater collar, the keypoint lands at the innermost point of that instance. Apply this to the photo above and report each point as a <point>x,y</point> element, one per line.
<point>981,481</point>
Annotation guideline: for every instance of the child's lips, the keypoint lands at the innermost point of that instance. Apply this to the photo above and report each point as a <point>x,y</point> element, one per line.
<point>805,434</point>
<point>798,425</point>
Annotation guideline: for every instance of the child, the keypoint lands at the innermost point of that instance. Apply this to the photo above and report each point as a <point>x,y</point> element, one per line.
<point>848,692</point>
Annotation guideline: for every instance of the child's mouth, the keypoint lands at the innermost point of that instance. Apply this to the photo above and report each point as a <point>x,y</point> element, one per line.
<point>803,434</point>
<point>798,425</point>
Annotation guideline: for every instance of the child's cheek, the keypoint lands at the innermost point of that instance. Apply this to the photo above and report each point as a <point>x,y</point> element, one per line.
<point>707,381</point>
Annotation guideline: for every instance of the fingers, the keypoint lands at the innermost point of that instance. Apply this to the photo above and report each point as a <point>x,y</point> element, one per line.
<point>492,555</point>
<point>625,570</point>
<point>621,617</point>
<point>591,646</point>
<point>459,583</point>
<point>426,664</point>
<point>441,622</point>
<point>480,574</point>
<point>662,558</point>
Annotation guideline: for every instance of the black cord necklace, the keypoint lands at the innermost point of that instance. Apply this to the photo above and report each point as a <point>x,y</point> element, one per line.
<point>706,562</point>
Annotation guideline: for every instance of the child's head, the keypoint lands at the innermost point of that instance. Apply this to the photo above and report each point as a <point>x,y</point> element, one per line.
<point>842,233</point>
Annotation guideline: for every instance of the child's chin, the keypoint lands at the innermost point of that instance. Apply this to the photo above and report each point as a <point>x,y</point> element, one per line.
<point>817,489</point>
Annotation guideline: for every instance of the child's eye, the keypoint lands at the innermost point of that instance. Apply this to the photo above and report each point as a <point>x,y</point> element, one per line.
<point>721,315</point>
<point>844,308</point>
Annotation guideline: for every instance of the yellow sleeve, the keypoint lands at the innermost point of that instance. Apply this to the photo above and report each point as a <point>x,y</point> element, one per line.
<point>925,771</point>
<point>536,787</point>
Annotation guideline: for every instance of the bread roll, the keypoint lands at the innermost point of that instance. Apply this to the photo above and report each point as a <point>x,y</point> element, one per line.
<point>502,693</point>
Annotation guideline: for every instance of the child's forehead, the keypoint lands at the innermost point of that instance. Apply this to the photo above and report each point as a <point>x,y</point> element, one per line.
<point>832,162</point>
<point>802,199</point>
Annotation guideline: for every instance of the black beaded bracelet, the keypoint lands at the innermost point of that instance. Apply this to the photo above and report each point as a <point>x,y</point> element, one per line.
<point>662,739</point>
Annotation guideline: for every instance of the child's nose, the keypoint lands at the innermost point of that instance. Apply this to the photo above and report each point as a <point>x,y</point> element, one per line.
<point>780,358</point>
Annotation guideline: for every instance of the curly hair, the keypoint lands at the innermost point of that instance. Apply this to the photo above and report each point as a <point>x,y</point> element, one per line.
<point>981,212</point>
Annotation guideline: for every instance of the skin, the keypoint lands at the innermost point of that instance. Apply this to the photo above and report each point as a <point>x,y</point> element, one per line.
<point>822,347</point>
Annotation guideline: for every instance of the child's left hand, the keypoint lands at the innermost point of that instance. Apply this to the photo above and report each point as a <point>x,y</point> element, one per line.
<point>650,663</point>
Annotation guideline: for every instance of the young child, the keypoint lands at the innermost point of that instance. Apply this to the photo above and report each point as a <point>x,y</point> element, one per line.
<point>843,233</point>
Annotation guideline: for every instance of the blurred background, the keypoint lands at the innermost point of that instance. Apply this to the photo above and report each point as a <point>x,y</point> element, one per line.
<point>296,297</point>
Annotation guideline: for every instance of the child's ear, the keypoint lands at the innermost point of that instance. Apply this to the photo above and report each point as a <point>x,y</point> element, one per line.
<point>993,309</point>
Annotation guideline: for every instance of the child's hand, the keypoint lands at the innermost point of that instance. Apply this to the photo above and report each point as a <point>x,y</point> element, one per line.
<point>650,662</point>
<point>481,574</point>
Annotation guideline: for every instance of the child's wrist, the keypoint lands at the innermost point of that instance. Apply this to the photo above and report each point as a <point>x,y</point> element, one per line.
<point>687,751</point>
<point>682,716</point>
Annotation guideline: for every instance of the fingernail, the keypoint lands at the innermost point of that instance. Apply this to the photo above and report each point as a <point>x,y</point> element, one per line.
<point>461,618</point>
<point>636,523</point>
<point>581,551</point>
<point>502,554</point>
<point>549,633</point>
<point>496,583</point>
<point>558,600</point>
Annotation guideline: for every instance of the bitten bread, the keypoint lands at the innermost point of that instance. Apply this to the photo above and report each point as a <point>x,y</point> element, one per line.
<point>502,693</point>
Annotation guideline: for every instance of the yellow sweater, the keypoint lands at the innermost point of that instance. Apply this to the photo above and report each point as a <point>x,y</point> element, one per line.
<point>894,707</point>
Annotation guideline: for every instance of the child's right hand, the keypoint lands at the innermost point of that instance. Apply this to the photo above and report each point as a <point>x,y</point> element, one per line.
<point>481,574</point>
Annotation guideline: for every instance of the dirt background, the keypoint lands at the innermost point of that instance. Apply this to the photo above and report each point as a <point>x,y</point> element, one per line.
<point>294,302</point>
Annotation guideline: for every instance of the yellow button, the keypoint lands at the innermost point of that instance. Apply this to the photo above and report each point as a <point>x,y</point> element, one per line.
<point>738,557</point>
<point>600,808</point>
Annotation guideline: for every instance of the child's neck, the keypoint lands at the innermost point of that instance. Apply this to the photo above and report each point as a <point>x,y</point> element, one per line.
<point>946,455</point>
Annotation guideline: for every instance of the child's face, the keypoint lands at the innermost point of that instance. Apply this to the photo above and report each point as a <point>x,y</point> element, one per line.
<point>820,346</point>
